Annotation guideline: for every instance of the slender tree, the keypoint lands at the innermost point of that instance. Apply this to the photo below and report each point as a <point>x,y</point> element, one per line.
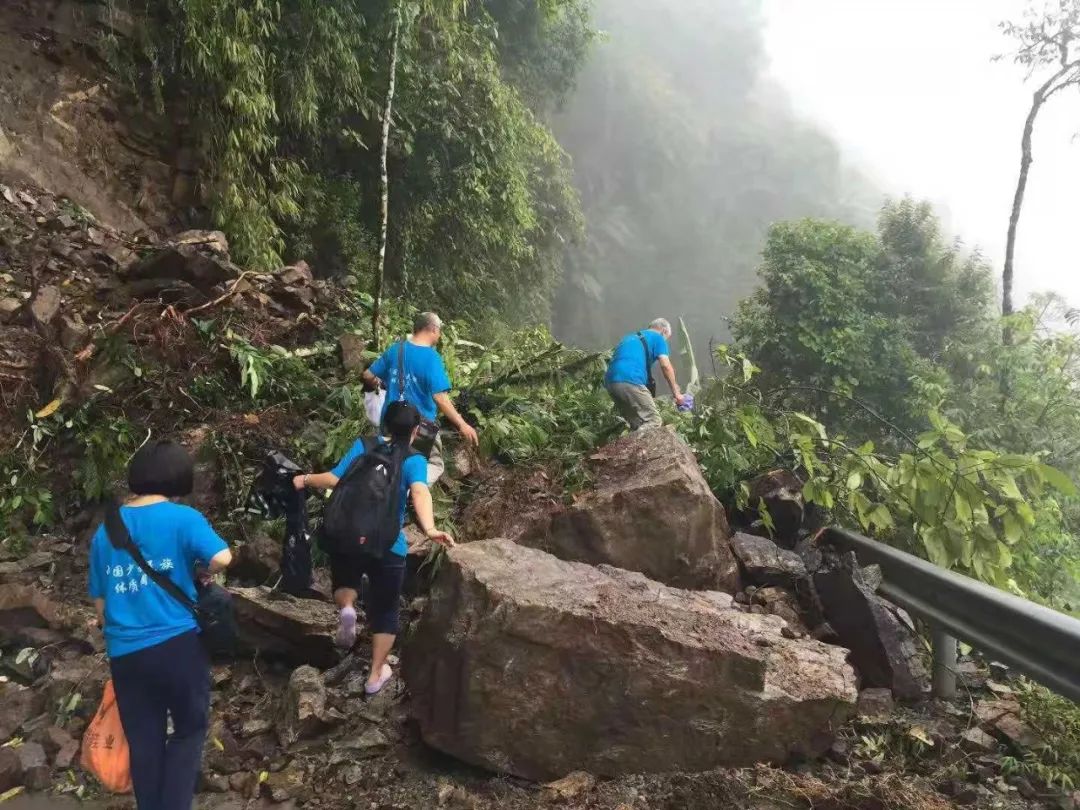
<point>384,178</point>
<point>1048,45</point>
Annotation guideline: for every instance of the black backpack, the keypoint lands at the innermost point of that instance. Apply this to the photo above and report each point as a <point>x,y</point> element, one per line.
<point>363,514</point>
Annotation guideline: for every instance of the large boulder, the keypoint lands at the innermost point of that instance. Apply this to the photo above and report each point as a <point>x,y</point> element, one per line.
<point>533,666</point>
<point>649,510</point>
<point>780,493</point>
<point>284,626</point>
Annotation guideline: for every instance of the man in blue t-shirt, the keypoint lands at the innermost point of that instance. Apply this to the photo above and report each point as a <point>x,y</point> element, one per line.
<point>426,383</point>
<point>629,373</point>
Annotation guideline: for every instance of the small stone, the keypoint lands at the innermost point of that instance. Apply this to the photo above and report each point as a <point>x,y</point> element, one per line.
<point>8,307</point>
<point>35,766</point>
<point>256,726</point>
<point>352,775</point>
<point>875,705</point>
<point>74,334</point>
<point>45,306</point>
<point>215,783</point>
<point>999,671</point>
<point>10,769</point>
<point>977,741</point>
<point>872,767</point>
<point>872,576</point>
<point>571,786</point>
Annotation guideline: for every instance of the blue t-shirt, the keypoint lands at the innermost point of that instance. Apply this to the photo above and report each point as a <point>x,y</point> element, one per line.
<point>629,363</point>
<point>138,613</point>
<point>413,471</point>
<point>425,376</point>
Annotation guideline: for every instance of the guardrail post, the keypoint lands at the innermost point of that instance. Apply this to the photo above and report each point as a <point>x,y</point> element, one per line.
<point>944,678</point>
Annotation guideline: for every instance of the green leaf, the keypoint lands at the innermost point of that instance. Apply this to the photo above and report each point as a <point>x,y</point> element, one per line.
<point>854,480</point>
<point>1058,480</point>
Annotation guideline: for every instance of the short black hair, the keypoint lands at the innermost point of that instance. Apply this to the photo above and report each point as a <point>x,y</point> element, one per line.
<point>401,420</point>
<point>163,468</point>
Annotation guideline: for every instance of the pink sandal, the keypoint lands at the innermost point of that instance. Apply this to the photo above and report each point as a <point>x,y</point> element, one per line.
<point>375,688</point>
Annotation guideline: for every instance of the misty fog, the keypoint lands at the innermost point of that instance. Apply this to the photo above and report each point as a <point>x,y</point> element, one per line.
<point>696,124</point>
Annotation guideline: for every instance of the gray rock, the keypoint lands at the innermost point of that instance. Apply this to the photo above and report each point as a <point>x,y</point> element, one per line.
<point>352,352</point>
<point>526,664</point>
<point>10,769</point>
<point>780,492</point>
<point>765,563</point>
<point>45,307</point>
<point>304,713</point>
<point>36,774</point>
<point>649,510</point>
<point>74,334</point>
<point>883,649</point>
<point>875,704</point>
<point>284,626</point>
<point>8,308</point>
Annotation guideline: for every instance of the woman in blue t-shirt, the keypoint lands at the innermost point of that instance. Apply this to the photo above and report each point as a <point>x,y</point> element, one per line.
<point>159,667</point>
<point>387,575</point>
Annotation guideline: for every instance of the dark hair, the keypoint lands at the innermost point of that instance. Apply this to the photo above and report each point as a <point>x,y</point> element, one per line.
<point>163,468</point>
<point>401,420</point>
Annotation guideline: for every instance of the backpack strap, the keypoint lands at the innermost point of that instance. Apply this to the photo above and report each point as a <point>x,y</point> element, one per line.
<point>648,365</point>
<point>119,537</point>
<point>401,370</point>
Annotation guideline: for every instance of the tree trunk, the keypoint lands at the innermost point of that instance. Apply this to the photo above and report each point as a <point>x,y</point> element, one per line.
<point>1052,85</point>
<point>384,179</point>
<point>1018,202</point>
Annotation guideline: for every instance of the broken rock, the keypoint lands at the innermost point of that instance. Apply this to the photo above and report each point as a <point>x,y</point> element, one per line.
<point>533,666</point>
<point>352,352</point>
<point>649,510</point>
<point>883,649</point>
<point>780,491</point>
<point>277,624</point>
<point>35,766</point>
<point>765,562</point>
<point>781,602</point>
<point>199,263</point>
<point>304,710</point>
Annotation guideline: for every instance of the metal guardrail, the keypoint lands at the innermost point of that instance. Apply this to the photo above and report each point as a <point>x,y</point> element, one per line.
<point>1037,641</point>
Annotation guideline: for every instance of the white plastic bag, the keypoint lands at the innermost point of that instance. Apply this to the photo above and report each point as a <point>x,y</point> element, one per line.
<point>373,405</point>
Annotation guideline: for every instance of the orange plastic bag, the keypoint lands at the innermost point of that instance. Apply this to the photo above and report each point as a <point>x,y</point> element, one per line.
<point>105,748</point>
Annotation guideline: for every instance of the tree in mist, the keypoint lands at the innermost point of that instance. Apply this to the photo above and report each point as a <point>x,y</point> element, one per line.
<point>1048,47</point>
<point>685,153</point>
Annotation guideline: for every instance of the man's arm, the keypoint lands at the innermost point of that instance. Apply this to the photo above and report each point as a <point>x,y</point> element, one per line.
<point>99,611</point>
<point>669,375</point>
<point>425,514</point>
<point>442,400</point>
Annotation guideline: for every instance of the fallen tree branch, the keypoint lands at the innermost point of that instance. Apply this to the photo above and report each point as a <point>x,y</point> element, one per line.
<point>224,296</point>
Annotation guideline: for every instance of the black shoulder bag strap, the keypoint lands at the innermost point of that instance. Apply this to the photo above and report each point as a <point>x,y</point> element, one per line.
<point>401,371</point>
<point>120,538</point>
<point>650,383</point>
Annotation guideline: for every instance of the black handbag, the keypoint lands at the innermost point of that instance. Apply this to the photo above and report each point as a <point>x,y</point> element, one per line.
<point>428,432</point>
<point>214,611</point>
<point>651,382</point>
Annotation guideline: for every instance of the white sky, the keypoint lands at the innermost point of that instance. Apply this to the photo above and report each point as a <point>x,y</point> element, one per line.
<point>908,88</point>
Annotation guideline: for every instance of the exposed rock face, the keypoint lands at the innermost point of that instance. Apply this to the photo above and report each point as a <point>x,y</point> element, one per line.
<point>882,648</point>
<point>765,562</point>
<point>649,510</point>
<point>304,712</point>
<point>537,667</point>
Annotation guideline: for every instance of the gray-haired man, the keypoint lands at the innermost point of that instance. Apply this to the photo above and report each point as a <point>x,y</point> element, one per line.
<point>426,384</point>
<point>629,374</point>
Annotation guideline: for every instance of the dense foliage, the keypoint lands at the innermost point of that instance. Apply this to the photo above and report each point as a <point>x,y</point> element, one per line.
<point>845,315</point>
<point>283,102</point>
